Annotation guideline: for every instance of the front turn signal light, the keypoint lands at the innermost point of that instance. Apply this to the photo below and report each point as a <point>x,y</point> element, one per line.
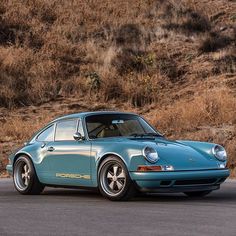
<point>155,168</point>
<point>149,168</point>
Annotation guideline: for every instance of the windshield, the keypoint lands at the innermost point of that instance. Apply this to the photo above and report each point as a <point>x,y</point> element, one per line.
<point>115,125</point>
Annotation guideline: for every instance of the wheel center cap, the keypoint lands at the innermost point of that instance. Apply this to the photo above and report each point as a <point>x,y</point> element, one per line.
<point>114,178</point>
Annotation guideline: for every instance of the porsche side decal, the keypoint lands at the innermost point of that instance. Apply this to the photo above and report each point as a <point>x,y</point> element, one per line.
<point>72,176</point>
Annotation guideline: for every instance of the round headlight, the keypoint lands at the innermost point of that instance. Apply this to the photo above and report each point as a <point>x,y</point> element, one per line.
<point>151,154</point>
<point>219,152</point>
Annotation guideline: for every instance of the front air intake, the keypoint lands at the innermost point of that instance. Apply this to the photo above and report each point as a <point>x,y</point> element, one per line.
<point>195,182</point>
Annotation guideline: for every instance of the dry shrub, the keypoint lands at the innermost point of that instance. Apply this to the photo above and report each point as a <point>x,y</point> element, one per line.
<point>195,22</point>
<point>12,33</point>
<point>141,89</point>
<point>14,82</point>
<point>167,66</point>
<point>112,90</point>
<point>180,17</point>
<point>231,152</point>
<point>212,42</point>
<point>129,35</point>
<point>45,11</point>
<point>2,166</point>
<point>16,30</point>
<point>23,82</point>
<point>74,85</point>
<point>130,60</point>
<point>131,54</point>
<point>226,64</point>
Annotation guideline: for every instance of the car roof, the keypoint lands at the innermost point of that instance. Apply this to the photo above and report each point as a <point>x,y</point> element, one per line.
<point>84,114</point>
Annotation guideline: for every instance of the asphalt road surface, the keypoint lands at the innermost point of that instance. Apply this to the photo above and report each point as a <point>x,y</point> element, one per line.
<point>79,212</point>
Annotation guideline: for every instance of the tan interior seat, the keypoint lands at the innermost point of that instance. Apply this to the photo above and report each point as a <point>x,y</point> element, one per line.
<point>109,133</point>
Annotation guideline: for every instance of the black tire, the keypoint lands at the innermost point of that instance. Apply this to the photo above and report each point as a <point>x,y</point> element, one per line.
<point>198,194</point>
<point>25,178</point>
<point>122,188</point>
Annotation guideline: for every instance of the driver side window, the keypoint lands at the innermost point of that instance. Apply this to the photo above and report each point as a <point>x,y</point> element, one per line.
<point>65,130</point>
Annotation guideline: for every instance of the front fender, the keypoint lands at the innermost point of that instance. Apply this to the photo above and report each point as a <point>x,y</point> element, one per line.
<point>203,147</point>
<point>126,152</point>
<point>131,155</point>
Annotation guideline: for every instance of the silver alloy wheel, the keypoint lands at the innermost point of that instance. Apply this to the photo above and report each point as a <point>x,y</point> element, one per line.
<point>113,179</point>
<point>22,175</point>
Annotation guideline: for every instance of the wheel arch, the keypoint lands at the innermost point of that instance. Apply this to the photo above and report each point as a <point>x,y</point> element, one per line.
<point>22,154</point>
<point>106,155</point>
<point>19,154</point>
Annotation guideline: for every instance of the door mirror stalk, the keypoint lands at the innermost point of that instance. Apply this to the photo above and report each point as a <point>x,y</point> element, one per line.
<point>78,136</point>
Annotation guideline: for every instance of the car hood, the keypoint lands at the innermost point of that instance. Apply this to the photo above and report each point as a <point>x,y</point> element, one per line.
<point>181,156</point>
<point>177,154</point>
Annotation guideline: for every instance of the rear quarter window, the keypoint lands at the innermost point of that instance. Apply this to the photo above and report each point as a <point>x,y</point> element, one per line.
<point>47,134</point>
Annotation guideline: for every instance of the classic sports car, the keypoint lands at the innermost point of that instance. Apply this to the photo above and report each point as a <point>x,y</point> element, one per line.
<point>117,153</point>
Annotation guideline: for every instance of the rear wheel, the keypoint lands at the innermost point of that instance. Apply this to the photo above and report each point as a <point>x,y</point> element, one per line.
<point>25,178</point>
<point>197,194</point>
<point>114,181</point>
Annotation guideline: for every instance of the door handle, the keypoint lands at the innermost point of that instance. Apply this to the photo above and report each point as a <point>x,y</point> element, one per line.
<point>50,149</point>
<point>43,145</point>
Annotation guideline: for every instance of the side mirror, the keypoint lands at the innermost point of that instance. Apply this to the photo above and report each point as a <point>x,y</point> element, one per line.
<point>78,136</point>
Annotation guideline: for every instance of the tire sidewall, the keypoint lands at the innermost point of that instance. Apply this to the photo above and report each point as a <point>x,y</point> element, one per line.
<point>27,161</point>
<point>128,183</point>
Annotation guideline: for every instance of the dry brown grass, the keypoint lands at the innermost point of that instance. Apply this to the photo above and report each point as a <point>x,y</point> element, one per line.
<point>214,107</point>
<point>173,61</point>
<point>46,47</point>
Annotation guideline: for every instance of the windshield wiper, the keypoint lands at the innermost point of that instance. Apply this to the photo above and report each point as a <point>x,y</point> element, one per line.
<point>145,134</point>
<point>136,135</point>
<point>153,134</point>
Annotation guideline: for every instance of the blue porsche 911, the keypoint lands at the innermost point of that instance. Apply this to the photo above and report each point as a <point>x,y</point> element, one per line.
<point>117,153</point>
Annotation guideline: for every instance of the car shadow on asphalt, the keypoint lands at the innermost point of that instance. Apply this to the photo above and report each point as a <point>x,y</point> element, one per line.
<point>229,196</point>
<point>183,198</point>
<point>226,194</point>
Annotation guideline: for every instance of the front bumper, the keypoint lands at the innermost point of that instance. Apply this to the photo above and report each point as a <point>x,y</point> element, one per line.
<point>179,181</point>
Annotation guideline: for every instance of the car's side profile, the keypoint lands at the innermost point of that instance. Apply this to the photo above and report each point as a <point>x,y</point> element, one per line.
<point>118,153</point>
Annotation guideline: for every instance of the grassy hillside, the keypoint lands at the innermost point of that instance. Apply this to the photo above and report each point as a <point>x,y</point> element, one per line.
<point>172,61</point>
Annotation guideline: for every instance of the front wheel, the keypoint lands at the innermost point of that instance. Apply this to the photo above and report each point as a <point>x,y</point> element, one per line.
<point>197,194</point>
<point>114,181</point>
<point>25,178</point>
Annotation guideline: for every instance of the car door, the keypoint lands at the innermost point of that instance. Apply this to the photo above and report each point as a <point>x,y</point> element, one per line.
<point>69,159</point>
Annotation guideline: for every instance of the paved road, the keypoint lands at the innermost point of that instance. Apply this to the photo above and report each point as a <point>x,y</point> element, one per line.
<point>78,212</point>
